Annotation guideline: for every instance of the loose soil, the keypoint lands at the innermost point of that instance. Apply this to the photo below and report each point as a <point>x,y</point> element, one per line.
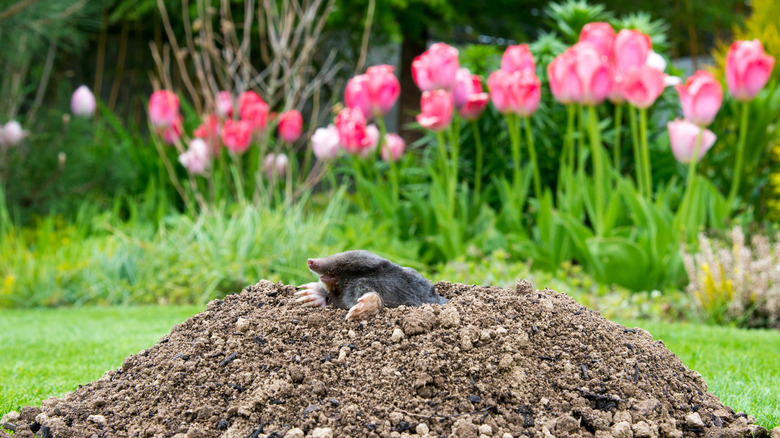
<point>492,362</point>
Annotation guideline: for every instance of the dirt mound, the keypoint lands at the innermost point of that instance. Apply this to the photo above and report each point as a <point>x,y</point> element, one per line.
<point>491,362</point>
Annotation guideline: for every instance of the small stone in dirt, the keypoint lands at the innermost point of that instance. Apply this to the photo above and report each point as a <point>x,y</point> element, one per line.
<point>622,430</point>
<point>485,429</point>
<point>242,325</point>
<point>775,433</point>
<point>294,433</point>
<point>397,335</point>
<point>465,429</point>
<point>422,429</point>
<point>322,432</point>
<point>693,420</point>
<point>474,399</point>
<point>10,417</point>
<point>99,419</point>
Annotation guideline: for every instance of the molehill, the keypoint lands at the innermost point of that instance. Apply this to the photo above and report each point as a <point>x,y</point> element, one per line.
<point>492,362</point>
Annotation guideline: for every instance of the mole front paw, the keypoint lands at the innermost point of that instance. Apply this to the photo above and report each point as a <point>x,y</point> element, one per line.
<point>367,305</point>
<point>311,295</point>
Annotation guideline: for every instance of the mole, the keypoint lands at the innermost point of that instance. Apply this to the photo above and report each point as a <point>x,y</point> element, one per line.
<point>364,282</point>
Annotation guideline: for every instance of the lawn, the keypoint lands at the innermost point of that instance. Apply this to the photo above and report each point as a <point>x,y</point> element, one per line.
<point>50,351</point>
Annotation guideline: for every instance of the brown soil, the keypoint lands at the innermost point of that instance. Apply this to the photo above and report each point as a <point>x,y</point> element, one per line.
<point>491,362</point>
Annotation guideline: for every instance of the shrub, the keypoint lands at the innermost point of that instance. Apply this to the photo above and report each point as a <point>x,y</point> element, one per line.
<point>739,284</point>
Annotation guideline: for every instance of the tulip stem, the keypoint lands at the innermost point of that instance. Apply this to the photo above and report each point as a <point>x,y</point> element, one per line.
<point>581,141</point>
<point>514,138</point>
<point>445,172</point>
<point>529,138</point>
<point>234,170</point>
<point>618,131</point>
<point>645,152</point>
<point>454,156</point>
<point>738,164</point>
<point>478,171</point>
<point>640,181</point>
<point>571,113</point>
<point>685,207</point>
<point>598,168</point>
<point>5,218</point>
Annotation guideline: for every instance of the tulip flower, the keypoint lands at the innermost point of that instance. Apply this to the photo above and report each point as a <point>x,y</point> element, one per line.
<point>581,74</point>
<point>518,58</point>
<point>519,92</point>
<point>253,110</point>
<point>172,133</point>
<point>701,97</point>
<point>436,68</point>
<point>372,133</point>
<point>163,108</point>
<point>393,147</point>
<point>748,69</point>
<point>290,125</point>
<point>631,49</point>
<point>689,143</point>
<point>682,138</point>
<point>275,165</point>
<point>82,103</point>
<point>12,134</point>
<point>237,135</point>
<point>351,126</point>
<point>375,92</point>
<point>325,142</point>
<point>601,35</point>
<point>209,131</point>
<point>436,110</point>
<point>197,157</point>
<point>466,84</point>
<point>641,86</point>
<point>224,104</point>
<point>474,106</point>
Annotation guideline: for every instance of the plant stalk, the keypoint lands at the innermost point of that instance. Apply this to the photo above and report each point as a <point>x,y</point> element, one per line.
<point>618,131</point>
<point>529,138</point>
<point>739,163</point>
<point>640,181</point>
<point>598,168</point>
<point>645,152</point>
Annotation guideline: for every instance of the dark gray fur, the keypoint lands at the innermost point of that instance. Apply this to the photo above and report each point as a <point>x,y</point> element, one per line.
<point>359,272</point>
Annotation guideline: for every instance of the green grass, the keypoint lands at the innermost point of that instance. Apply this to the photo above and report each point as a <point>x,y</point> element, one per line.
<point>741,367</point>
<point>48,352</point>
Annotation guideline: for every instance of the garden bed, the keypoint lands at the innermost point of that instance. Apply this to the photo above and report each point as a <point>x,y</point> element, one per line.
<point>492,361</point>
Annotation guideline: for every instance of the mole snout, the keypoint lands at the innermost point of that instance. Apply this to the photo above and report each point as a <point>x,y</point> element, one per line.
<point>311,263</point>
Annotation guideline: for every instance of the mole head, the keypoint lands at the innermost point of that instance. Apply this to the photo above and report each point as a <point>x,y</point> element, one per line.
<point>348,264</point>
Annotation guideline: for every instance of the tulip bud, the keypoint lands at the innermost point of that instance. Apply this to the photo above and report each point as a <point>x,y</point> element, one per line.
<point>197,158</point>
<point>701,97</point>
<point>351,126</point>
<point>290,126</point>
<point>12,133</point>
<point>435,69</point>
<point>601,35</point>
<point>436,110</point>
<point>325,142</point>
<point>393,147</point>
<point>237,135</point>
<point>682,139</point>
<point>224,104</point>
<point>747,69</point>
<point>518,58</point>
<point>275,165</point>
<point>82,103</point>
<point>641,86</point>
<point>163,108</point>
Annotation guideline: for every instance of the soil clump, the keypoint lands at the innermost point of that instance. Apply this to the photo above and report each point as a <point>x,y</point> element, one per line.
<point>492,362</point>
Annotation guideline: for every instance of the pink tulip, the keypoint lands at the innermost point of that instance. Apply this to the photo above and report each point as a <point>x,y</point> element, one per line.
<point>518,58</point>
<point>436,110</point>
<point>274,164</point>
<point>631,49</point>
<point>383,88</point>
<point>209,131</point>
<point>12,134</point>
<point>474,106</point>
<point>518,92</point>
<point>581,74</point>
<point>375,92</point>
<point>466,84</point>
<point>351,126</point>
<point>224,104</point>
<point>237,135</point>
<point>393,147</point>
<point>254,110</point>
<point>747,69</point>
<point>172,133</point>
<point>163,108</point>
<point>601,35</point>
<point>564,83</point>
<point>197,157</point>
<point>372,133</point>
<point>436,68</point>
<point>82,103</point>
<point>290,125</point>
<point>641,86</point>
<point>701,97</point>
<point>325,142</point>
<point>682,137</point>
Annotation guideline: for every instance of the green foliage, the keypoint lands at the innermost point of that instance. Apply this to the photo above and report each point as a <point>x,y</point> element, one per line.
<point>569,17</point>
